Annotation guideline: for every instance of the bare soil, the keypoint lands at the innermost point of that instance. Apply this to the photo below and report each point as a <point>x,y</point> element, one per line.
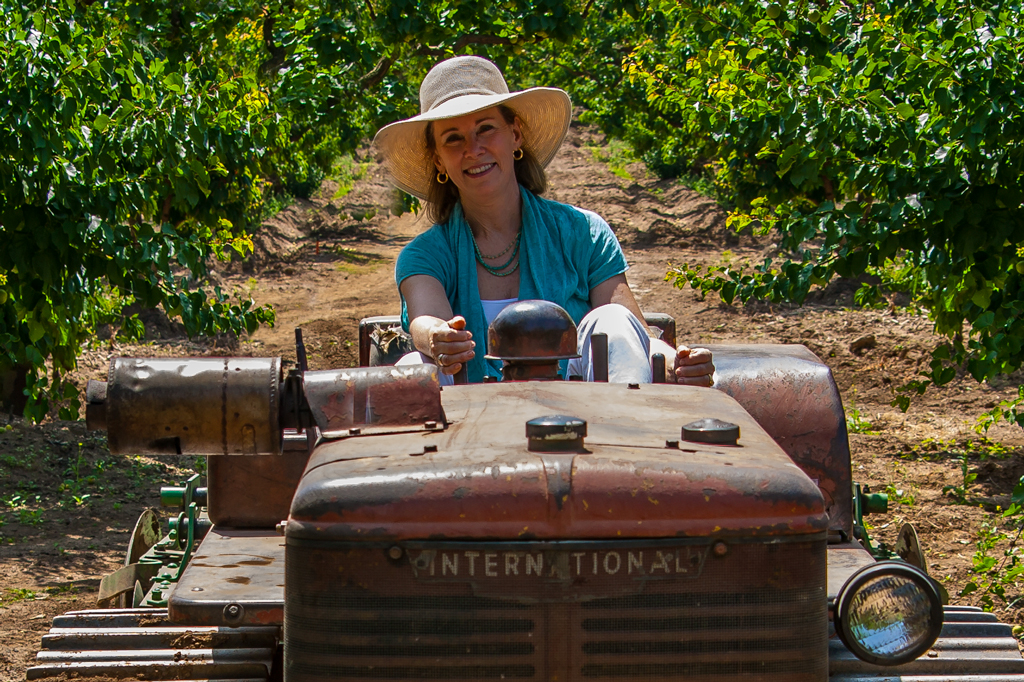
<point>67,506</point>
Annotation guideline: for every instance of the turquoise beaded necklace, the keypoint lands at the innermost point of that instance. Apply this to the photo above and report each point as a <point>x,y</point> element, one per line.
<point>497,269</point>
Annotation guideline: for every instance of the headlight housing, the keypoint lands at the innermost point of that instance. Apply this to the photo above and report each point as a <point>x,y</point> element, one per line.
<point>888,613</point>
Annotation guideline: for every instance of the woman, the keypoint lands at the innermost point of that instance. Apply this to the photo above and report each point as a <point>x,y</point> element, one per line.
<point>477,154</point>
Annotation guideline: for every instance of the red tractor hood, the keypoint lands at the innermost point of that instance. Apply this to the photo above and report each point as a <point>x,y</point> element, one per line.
<point>475,479</point>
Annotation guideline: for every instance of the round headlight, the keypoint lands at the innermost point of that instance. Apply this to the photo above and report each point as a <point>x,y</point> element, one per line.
<point>888,613</point>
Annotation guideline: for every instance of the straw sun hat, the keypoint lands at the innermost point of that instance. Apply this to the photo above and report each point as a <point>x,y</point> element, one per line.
<point>460,86</point>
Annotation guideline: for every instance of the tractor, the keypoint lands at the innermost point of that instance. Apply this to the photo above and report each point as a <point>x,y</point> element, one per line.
<point>366,524</point>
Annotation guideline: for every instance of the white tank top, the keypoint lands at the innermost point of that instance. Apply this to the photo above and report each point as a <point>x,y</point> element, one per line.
<point>493,307</point>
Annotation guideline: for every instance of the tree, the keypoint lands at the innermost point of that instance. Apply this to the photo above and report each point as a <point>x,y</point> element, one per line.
<point>869,135</point>
<point>138,140</point>
<point>119,176</point>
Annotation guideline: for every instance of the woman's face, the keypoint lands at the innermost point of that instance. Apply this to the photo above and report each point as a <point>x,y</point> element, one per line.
<point>475,151</point>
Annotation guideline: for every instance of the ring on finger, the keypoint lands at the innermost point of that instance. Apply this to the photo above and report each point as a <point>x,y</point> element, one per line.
<point>440,359</point>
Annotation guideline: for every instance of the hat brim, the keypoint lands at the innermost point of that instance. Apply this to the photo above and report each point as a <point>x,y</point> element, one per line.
<point>545,114</point>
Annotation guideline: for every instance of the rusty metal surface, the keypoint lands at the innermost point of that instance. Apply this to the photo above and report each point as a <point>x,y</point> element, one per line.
<point>373,399</point>
<point>253,491</point>
<point>122,582</point>
<point>641,610</point>
<point>145,534</point>
<point>843,561</point>
<point>382,341</point>
<point>194,406</point>
<point>141,644</point>
<point>793,396</point>
<point>366,327</point>
<point>532,330</point>
<point>666,323</point>
<point>477,479</point>
<point>244,569</point>
<point>973,647</point>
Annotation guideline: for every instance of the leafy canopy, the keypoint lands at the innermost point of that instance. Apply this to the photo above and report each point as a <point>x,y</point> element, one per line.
<point>138,140</point>
<point>871,134</point>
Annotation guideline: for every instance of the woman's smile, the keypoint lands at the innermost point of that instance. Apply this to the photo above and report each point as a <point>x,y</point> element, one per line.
<point>480,170</point>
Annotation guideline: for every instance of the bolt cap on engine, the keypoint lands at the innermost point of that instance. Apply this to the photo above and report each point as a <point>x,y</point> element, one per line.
<point>556,433</point>
<point>711,431</point>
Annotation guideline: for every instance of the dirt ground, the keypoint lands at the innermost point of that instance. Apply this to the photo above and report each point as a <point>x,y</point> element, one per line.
<point>67,506</point>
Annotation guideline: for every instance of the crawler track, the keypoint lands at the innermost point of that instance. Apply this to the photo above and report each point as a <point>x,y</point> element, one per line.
<point>143,644</point>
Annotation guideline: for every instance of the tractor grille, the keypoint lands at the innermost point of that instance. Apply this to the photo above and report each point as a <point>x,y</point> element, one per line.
<point>595,611</point>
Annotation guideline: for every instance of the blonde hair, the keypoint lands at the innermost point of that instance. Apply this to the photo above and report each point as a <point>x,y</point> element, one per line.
<point>441,199</point>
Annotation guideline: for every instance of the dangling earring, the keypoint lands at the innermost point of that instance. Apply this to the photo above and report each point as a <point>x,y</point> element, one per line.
<point>442,175</point>
<point>518,154</point>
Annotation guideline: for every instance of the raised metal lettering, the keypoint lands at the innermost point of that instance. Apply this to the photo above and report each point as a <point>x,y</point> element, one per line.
<point>683,561</point>
<point>491,565</point>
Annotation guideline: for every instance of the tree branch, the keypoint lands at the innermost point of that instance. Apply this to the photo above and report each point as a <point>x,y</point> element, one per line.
<point>461,42</point>
<point>376,74</point>
<point>165,213</point>
<point>428,51</point>
<point>476,39</point>
<point>826,183</point>
<point>277,54</point>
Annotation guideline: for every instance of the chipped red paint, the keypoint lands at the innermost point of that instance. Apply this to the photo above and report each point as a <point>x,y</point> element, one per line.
<point>373,397</point>
<point>253,491</point>
<point>482,482</point>
<point>793,396</point>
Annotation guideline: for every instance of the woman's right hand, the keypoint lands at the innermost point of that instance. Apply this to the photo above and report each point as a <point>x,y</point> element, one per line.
<point>451,344</point>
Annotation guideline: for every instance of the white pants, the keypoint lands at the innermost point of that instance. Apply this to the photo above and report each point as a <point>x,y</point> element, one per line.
<point>629,348</point>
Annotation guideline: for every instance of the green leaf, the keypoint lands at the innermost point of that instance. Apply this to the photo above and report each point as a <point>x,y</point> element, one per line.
<point>818,74</point>
<point>969,588</point>
<point>982,298</point>
<point>36,331</point>
<point>100,123</point>
<point>786,159</point>
<point>175,83</point>
<point>905,111</point>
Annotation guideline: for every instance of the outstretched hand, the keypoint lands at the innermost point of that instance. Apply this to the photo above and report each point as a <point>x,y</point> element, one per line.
<point>693,366</point>
<point>451,344</point>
